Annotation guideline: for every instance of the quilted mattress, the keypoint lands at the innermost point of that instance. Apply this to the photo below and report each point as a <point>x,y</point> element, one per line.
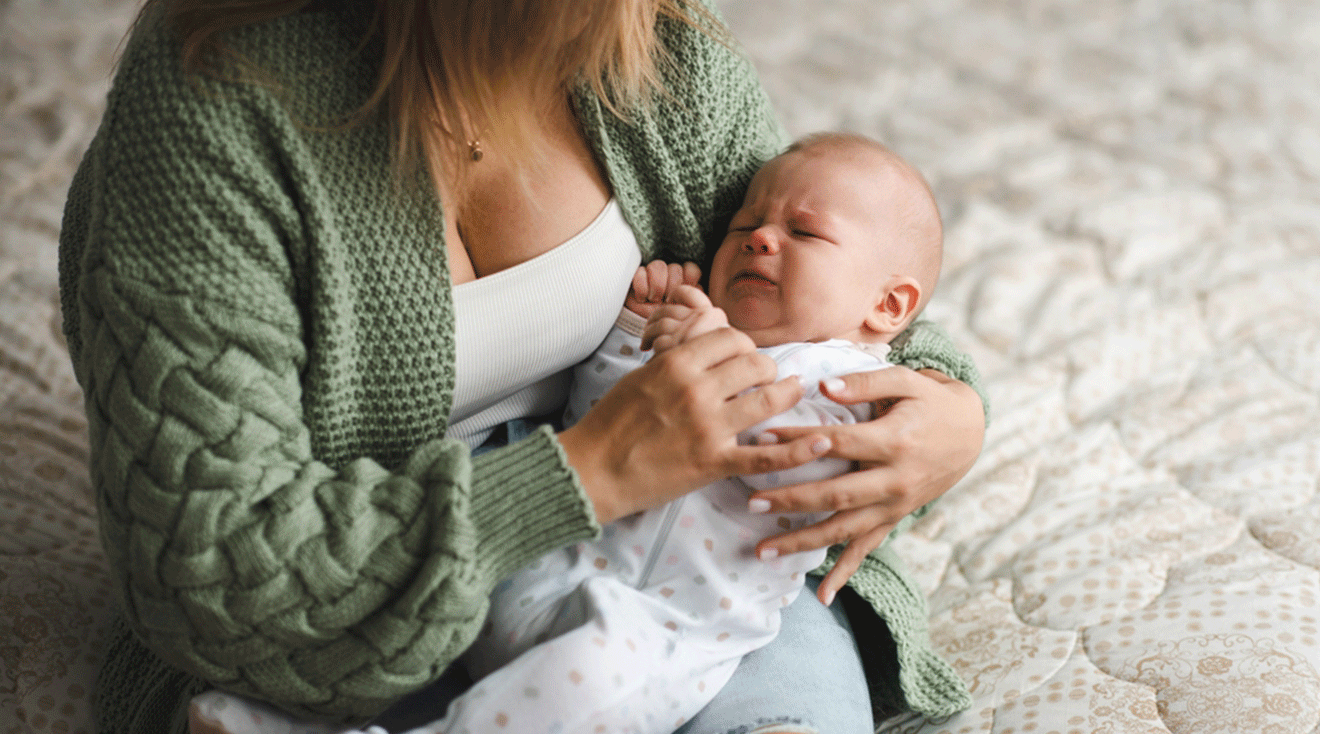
<point>1131,192</point>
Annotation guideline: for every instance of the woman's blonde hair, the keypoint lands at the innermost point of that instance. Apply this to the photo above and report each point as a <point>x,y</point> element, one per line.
<point>458,71</point>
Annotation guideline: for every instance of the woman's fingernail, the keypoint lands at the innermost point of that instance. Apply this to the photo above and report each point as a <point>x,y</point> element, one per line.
<point>835,385</point>
<point>820,446</point>
<point>829,598</point>
<point>767,439</point>
<point>769,554</point>
<point>758,506</point>
<point>802,382</point>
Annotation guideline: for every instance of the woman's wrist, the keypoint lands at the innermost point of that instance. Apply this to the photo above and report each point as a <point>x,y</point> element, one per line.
<point>965,419</point>
<point>527,500</point>
<point>586,455</point>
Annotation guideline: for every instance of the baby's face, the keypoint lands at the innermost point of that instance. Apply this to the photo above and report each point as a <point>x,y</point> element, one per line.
<point>803,257</point>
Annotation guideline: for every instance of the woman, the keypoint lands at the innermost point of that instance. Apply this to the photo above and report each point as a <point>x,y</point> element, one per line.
<point>305,274</point>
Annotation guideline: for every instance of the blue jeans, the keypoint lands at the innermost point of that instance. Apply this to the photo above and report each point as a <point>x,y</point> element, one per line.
<point>809,679</point>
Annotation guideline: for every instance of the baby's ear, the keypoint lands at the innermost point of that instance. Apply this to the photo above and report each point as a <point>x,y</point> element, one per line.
<point>895,307</point>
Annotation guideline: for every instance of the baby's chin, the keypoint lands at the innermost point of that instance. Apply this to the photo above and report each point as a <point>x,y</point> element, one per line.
<point>767,335</point>
<point>763,322</point>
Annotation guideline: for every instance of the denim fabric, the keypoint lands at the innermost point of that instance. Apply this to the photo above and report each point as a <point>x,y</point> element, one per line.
<point>511,432</point>
<point>809,679</point>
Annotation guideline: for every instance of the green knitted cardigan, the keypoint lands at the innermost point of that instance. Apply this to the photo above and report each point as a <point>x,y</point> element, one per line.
<point>261,320</point>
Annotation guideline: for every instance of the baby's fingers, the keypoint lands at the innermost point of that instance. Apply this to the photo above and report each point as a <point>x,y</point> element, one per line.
<point>641,289</point>
<point>690,296</point>
<point>661,343</point>
<point>665,320</point>
<point>691,274</point>
<point>658,279</point>
<point>674,278</point>
<point>660,328</point>
<point>701,322</point>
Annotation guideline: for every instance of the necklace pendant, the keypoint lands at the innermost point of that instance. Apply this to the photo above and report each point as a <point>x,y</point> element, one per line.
<point>474,150</point>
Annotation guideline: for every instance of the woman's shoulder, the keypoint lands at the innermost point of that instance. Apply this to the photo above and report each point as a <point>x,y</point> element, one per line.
<point>204,181</point>
<point>710,78</point>
<point>680,166</point>
<point>313,63</point>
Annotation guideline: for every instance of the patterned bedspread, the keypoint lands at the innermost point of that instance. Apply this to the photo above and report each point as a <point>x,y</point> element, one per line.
<point>1131,191</point>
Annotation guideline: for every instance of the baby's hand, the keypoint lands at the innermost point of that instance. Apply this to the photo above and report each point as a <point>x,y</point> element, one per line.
<point>687,315</point>
<point>654,282</point>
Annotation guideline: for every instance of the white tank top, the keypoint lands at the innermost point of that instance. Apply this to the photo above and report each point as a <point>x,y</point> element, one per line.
<point>519,332</point>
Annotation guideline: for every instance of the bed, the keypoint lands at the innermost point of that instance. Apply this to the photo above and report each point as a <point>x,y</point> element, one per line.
<point>1131,193</point>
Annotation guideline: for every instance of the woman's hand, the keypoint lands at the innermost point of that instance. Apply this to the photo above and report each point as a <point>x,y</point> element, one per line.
<point>926,436</point>
<point>671,425</point>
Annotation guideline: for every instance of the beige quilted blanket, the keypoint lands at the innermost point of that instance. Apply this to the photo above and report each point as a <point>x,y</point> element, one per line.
<point>1132,197</point>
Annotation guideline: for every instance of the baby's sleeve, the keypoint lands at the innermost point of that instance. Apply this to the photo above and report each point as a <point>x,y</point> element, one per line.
<point>619,354</point>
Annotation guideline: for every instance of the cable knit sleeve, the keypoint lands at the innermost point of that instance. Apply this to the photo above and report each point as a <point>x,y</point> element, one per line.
<point>242,556</point>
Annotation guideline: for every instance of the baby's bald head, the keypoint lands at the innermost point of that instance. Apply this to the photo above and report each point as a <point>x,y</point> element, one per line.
<point>837,238</point>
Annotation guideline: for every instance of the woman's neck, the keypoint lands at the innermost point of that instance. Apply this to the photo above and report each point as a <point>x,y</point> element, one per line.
<point>508,208</point>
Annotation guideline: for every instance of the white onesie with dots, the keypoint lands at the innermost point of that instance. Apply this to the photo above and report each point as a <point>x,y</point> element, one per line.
<point>637,631</point>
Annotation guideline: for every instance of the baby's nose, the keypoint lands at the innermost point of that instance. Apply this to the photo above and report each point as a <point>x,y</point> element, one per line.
<point>762,242</point>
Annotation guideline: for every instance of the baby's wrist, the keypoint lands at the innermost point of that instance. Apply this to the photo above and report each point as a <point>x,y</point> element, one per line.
<point>639,307</point>
<point>632,322</point>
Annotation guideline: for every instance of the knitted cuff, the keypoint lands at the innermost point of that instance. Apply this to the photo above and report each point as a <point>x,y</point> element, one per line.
<point>526,502</point>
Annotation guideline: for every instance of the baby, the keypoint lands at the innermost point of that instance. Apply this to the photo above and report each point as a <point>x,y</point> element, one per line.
<point>836,248</point>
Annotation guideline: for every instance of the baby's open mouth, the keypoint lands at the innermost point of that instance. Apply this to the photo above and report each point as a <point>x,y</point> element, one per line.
<point>750,277</point>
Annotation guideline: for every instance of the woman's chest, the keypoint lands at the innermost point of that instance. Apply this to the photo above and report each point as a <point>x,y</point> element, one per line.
<point>510,212</point>
<point>519,330</point>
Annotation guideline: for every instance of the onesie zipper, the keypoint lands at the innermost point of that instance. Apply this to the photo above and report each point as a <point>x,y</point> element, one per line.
<point>666,524</point>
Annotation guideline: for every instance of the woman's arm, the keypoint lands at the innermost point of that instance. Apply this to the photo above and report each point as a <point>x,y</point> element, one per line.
<point>883,491</point>
<point>249,563</point>
<point>240,555</point>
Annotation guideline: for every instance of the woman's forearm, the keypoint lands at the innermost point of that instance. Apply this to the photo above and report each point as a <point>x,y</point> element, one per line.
<point>248,563</point>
